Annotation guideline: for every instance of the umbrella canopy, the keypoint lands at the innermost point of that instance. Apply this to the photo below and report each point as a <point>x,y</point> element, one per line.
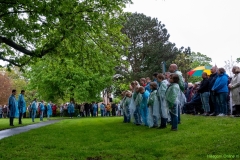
<point>199,70</point>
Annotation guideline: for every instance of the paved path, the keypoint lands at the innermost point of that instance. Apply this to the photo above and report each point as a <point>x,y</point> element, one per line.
<point>10,132</point>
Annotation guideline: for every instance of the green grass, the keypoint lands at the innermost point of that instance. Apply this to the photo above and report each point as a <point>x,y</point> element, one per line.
<point>109,138</point>
<point>4,122</point>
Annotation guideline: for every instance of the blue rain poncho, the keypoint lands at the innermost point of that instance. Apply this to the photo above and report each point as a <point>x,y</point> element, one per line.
<point>49,109</point>
<point>127,104</point>
<point>181,81</point>
<point>132,105</point>
<point>153,108</point>
<point>162,99</point>
<point>95,108</point>
<point>13,106</point>
<point>42,108</point>
<point>70,108</point>
<point>172,94</point>
<point>34,106</point>
<point>21,103</point>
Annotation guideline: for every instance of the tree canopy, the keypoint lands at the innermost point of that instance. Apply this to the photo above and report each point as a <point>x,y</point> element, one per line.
<point>149,45</point>
<point>31,29</point>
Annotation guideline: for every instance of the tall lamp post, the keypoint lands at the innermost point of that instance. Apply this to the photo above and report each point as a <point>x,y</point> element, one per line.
<point>163,64</point>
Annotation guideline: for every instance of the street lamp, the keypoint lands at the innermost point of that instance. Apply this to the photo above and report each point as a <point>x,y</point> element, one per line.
<point>163,64</point>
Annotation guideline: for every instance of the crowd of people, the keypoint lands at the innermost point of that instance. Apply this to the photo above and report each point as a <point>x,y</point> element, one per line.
<point>216,95</point>
<point>150,103</point>
<point>154,103</point>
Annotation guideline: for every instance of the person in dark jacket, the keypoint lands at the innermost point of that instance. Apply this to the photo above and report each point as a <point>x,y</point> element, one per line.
<point>204,94</point>
<point>87,108</point>
<point>114,107</point>
<point>213,101</point>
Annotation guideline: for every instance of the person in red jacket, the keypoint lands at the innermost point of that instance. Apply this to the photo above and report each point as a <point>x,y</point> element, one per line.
<point>54,110</point>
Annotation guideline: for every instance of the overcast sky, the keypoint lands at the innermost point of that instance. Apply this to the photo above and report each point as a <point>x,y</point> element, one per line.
<point>211,27</point>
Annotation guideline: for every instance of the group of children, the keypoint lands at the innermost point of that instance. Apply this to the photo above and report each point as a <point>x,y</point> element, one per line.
<point>153,108</point>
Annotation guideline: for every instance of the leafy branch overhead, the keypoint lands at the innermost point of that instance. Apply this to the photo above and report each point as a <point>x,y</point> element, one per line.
<point>31,29</point>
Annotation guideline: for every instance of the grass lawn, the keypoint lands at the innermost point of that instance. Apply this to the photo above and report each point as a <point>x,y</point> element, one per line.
<point>4,122</point>
<point>198,138</point>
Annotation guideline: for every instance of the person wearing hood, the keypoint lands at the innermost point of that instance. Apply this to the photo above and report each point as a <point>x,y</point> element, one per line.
<point>12,104</point>
<point>70,109</point>
<point>220,90</point>
<point>33,109</point>
<point>49,110</point>
<point>21,106</point>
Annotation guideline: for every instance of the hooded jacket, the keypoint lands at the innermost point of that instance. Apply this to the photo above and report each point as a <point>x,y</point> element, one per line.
<point>221,84</point>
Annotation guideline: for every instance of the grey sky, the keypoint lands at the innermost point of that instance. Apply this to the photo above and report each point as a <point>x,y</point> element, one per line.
<point>211,27</point>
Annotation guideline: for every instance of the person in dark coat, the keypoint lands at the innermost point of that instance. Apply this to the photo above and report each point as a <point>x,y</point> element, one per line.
<point>114,107</point>
<point>86,108</point>
<point>204,94</point>
<point>213,100</point>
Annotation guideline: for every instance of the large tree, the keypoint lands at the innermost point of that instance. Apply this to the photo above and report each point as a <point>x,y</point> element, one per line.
<point>149,45</point>
<point>81,78</point>
<point>31,29</point>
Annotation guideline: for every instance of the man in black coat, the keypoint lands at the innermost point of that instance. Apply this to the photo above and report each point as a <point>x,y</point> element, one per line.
<point>212,101</point>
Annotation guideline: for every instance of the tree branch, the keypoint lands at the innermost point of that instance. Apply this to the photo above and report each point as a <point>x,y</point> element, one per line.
<point>15,12</point>
<point>15,46</point>
<point>4,2</point>
<point>11,61</point>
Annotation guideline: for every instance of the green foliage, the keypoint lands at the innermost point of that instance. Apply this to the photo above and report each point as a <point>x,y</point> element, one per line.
<point>32,29</point>
<point>54,78</point>
<point>238,60</point>
<point>149,46</point>
<point>116,100</point>
<point>109,138</point>
<point>184,64</point>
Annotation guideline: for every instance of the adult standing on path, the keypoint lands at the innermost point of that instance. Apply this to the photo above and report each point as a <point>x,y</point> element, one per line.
<point>49,110</point>
<point>12,104</point>
<point>173,68</point>
<point>21,106</point>
<point>33,109</point>
<point>42,108</point>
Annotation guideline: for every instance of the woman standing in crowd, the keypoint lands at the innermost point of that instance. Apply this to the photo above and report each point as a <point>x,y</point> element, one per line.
<point>172,100</point>
<point>153,107</point>
<point>49,110</point>
<point>220,89</point>
<point>71,109</point>
<point>108,109</point>
<point>162,87</point>
<point>33,109</point>
<point>127,102</point>
<point>144,106</point>
<point>234,87</point>
<point>204,93</point>
<point>95,109</point>
<point>137,115</point>
<point>134,86</point>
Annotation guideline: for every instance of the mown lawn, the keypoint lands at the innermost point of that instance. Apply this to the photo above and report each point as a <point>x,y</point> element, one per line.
<point>4,122</point>
<point>198,138</point>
